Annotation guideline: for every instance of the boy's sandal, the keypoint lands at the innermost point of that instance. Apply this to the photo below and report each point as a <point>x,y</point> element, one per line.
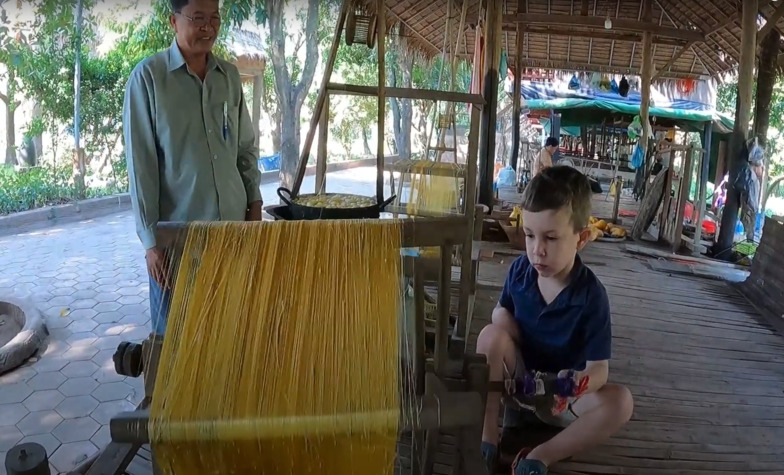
<point>523,466</point>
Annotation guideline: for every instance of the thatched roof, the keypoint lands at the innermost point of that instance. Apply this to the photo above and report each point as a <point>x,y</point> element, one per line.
<point>692,38</point>
<point>247,47</point>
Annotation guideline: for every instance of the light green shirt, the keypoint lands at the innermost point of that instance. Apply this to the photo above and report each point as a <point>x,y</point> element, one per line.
<point>188,160</point>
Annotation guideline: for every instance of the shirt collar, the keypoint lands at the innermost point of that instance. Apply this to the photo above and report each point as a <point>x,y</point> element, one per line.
<point>176,60</point>
<point>575,294</point>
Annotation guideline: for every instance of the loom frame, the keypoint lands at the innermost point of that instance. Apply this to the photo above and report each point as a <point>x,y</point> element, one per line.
<point>450,392</point>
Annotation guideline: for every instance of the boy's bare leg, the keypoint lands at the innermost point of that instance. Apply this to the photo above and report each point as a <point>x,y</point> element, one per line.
<point>601,414</point>
<point>496,343</point>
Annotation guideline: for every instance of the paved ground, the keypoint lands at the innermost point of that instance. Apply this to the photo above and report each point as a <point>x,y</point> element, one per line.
<point>89,280</point>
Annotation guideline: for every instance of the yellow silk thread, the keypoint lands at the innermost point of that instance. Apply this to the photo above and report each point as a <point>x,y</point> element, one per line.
<point>282,351</point>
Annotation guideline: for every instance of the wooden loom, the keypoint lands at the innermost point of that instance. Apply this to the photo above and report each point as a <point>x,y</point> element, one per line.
<point>449,392</point>
<point>450,385</point>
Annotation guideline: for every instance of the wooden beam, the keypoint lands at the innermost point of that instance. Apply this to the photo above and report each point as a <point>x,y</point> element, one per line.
<point>599,35</point>
<point>646,73</point>
<point>414,31</point>
<point>381,36</point>
<point>584,8</point>
<point>519,39</point>
<point>489,112</point>
<point>672,61</point>
<point>321,149</point>
<point>770,23</point>
<point>598,22</point>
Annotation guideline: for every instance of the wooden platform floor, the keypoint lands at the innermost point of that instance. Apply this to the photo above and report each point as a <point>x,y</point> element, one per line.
<point>705,370</point>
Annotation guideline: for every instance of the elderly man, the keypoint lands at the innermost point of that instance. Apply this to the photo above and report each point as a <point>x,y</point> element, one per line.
<point>189,140</point>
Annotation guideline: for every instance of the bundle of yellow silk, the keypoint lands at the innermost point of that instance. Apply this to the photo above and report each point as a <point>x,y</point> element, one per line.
<point>284,334</point>
<point>434,188</point>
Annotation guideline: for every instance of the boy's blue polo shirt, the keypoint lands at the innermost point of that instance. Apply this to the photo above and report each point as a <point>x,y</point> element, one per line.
<point>573,329</point>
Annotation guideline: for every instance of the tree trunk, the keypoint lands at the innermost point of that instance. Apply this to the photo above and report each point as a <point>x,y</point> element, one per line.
<point>291,95</point>
<point>10,120</point>
<point>766,80</point>
<point>275,117</point>
<point>38,140</point>
<point>366,141</point>
<point>289,147</point>
<point>10,134</point>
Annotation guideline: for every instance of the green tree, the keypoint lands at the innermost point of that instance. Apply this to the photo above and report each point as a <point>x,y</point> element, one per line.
<point>10,58</point>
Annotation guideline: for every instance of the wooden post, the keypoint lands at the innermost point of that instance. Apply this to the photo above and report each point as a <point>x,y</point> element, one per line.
<point>646,73</point>
<point>721,163</point>
<point>703,186</point>
<point>321,150</point>
<point>519,46</point>
<point>258,85</point>
<point>382,99</point>
<point>322,94</point>
<point>493,24</point>
<point>740,132</point>
<point>683,196</point>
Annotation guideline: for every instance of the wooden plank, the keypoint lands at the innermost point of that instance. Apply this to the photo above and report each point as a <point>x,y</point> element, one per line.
<point>705,371</point>
<point>407,93</point>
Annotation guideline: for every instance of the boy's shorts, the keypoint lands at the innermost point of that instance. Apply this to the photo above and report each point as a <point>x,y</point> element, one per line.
<point>542,406</point>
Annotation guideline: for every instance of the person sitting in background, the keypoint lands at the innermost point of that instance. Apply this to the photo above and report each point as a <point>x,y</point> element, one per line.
<point>545,158</point>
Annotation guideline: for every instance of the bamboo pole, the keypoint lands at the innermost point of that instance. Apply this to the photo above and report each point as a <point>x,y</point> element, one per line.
<point>382,83</point>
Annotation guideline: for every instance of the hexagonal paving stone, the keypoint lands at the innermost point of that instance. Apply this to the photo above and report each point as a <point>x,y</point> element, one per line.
<point>81,312</point>
<point>108,342</point>
<point>130,299</point>
<point>9,436</point>
<point>10,414</point>
<point>83,325</point>
<point>77,406</point>
<point>68,456</point>
<point>136,333</point>
<point>41,422</point>
<point>50,380</point>
<point>47,441</point>
<point>16,392</point>
<point>79,369</point>
<point>75,430</point>
<point>111,316</point>
<point>84,304</point>
<point>43,400</point>
<point>105,296</point>
<point>80,353</point>
<point>110,329</point>
<point>106,410</point>
<point>128,291</point>
<point>134,309</point>
<point>21,374</point>
<point>107,374</point>
<point>102,437</point>
<point>112,392</point>
<point>82,339</point>
<point>107,288</point>
<point>109,306</point>
<point>78,386</point>
<point>139,319</point>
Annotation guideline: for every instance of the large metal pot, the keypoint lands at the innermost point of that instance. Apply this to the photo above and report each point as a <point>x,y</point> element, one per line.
<point>302,212</point>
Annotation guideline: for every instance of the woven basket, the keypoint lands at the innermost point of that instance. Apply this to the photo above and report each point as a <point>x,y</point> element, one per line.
<point>515,234</point>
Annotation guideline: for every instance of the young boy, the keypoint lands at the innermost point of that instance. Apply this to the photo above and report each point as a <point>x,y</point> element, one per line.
<point>554,315</point>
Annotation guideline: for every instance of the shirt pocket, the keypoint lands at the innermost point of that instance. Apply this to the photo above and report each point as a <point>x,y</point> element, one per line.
<point>228,128</point>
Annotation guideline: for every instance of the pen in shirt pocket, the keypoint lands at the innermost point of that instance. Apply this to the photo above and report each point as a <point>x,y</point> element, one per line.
<point>225,120</point>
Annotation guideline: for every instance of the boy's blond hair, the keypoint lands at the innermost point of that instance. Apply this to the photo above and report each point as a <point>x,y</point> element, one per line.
<point>556,187</point>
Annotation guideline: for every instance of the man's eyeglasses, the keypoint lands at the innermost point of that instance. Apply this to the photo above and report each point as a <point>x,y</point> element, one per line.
<point>201,21</point>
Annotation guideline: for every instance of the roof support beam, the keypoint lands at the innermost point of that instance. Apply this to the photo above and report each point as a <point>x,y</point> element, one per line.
<point>598,22</point>
<point>672,61</point>
<point>770,23</point>
<point>599,35</point>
